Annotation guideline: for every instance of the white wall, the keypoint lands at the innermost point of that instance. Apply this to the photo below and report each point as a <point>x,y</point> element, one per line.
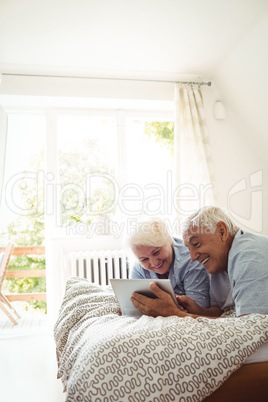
<point>241,81</point>
<point>85,88</point>
<point>235,164</point>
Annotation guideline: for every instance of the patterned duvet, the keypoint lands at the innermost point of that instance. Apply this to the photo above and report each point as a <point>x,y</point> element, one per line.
<point>103,356</point>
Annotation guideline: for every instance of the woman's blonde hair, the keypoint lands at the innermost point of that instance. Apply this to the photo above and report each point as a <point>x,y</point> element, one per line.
<point>149,232</point>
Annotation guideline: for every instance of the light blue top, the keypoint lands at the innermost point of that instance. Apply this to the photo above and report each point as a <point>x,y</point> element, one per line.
<point>187,277</point>
<point>247,287</point>
<point>221,292</point>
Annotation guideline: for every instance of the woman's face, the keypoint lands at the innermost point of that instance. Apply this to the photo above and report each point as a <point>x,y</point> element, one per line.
<point>155,259</point>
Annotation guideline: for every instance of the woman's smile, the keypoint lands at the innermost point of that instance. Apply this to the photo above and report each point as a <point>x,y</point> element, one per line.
<point>159,266</point>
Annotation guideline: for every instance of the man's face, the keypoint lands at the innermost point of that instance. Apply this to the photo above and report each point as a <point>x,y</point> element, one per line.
<point>210,249</point>
<point>155,259</point>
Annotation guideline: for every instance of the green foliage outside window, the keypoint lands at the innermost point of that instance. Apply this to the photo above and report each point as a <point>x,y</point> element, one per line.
<point>163,131</point>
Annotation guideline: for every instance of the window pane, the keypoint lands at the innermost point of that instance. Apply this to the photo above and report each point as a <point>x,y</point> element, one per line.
<point>22,209</point>
<point>149,166</point>
<point>23,173</point>
<point>87,157</point>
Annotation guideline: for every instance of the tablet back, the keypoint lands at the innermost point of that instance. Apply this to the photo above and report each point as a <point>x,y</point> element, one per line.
<point>123,289</point>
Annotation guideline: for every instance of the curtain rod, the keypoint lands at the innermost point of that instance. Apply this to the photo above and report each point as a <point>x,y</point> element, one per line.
<point>109,79</point>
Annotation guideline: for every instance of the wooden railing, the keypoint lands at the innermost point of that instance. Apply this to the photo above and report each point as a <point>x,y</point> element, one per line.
<point>27,273</point>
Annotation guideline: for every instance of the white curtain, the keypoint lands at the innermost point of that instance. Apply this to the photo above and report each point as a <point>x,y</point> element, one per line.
<point>194,173</point>
<point>3,142</point>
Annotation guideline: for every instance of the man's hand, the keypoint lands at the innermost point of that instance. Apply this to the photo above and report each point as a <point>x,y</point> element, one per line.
<point>162,306</point>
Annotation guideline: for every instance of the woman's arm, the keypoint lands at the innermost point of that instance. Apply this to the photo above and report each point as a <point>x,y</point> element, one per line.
<point>137,272</point>
<point>193,308</point>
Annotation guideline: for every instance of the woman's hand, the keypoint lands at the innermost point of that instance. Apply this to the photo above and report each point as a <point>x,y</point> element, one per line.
<point>189,305</point>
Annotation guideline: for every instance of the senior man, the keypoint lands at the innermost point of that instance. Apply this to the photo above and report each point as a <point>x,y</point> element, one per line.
<point>236,260</point>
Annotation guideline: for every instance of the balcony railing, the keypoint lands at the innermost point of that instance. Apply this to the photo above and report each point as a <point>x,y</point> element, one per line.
<point>27,273</point>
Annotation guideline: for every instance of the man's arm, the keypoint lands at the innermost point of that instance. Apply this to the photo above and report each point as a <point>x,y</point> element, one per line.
<point>164,305</point>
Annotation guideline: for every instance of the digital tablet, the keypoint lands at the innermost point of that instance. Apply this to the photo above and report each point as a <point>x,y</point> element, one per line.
<point>123,289</point>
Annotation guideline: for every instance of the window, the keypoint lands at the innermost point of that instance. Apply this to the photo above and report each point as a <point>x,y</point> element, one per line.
<point>111,162</point>
<point>68,165</point>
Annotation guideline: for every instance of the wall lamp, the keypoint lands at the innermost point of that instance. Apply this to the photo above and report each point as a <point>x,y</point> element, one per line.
<point>219,110</point>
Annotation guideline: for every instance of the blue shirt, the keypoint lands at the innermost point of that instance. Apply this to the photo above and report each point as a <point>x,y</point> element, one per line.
<point>187,277</point>
<point>221,292</point>
<point>245,286</point>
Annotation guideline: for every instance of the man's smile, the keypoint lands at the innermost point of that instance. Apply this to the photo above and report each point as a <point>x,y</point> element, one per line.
<point>205,260</point>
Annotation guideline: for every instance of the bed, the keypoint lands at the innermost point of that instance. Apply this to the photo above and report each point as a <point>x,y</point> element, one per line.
<point>103,356</point>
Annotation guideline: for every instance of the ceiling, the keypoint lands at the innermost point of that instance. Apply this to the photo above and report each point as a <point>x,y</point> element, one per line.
<point>123,38</point>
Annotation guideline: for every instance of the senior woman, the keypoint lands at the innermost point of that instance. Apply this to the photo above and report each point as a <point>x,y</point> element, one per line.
<point>161,256</point>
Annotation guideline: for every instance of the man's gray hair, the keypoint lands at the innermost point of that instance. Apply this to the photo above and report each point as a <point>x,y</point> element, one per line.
<point>208,218</point>
<point>149,232</point>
